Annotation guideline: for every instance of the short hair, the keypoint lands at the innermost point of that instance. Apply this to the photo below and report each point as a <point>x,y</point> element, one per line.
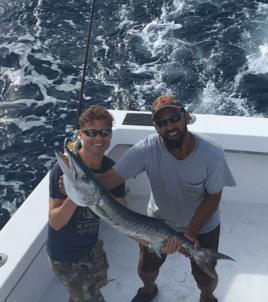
<point>95,112</point>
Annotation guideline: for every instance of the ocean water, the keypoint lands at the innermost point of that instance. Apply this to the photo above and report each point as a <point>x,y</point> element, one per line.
<point>212,54</point>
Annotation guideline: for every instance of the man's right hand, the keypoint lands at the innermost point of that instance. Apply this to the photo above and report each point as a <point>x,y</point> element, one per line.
<point>185,251</point>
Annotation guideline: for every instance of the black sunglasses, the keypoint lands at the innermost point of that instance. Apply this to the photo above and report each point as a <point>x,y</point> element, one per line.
<point>93,132</point>
<point>174,118</point>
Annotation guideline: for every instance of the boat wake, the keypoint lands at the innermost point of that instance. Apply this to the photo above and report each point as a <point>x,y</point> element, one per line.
<point>212,54</point>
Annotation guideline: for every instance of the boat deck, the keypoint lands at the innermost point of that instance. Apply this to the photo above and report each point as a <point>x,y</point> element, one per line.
<point>244,280</point>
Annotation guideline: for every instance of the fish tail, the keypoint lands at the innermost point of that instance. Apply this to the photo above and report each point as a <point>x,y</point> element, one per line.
<point>207,258</point>
<point>222,256</point>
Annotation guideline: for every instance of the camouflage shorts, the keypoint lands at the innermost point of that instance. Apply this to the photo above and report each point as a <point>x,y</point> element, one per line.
<point>84,276</point>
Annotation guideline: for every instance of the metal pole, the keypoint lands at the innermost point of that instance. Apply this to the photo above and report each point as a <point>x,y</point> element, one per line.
<point>79,108</point>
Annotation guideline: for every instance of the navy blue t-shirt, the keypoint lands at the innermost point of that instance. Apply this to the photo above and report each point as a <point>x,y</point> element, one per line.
<point>80,234</point>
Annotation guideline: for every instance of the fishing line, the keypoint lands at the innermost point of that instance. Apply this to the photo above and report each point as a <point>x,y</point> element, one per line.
<point>74,143</point>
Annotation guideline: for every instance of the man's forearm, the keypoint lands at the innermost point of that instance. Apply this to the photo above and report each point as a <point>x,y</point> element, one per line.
<point>203,213</point>
<point>60,216</point>
<point>110,179</point>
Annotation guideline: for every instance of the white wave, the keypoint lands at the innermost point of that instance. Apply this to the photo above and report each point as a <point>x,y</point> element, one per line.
<point>69,128</point>
<point>125,11</point>
<point>155,33</point>
<point>27,36</point>
<point>49,161</point>
<point>104,46</point>
<point>5,166</point>
<point>25,124</point>
<point>156,38</point>
<point>262,8</point>
<point>67,86</point>
<point>70,22</point>
<point>11,206</point>
<point>19,77</point>
<point>178,5</point>
<point>214,101</point>
<point>258,62</point>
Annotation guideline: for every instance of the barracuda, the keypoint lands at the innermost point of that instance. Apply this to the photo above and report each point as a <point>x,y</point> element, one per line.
<point>85,189</point>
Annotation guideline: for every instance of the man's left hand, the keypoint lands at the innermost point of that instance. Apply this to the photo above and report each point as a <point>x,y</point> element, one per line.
<point>185,251</point>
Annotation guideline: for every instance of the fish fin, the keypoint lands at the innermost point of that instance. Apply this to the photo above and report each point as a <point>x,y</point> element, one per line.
<point>99,210</point>
<point>206,257</point>
<point>157,248</point>
<point>173,225</point>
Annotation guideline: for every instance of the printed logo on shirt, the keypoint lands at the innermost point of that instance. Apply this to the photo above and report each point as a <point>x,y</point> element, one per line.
<point>88,227</point>
<point>87,213</point>
<point>87,221</point>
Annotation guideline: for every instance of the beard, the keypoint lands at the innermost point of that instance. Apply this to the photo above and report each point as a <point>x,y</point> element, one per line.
<point>176,143</point>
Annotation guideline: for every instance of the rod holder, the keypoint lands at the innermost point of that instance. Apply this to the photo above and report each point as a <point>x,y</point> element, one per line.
<point>3,259</point>
<point>192,119</point>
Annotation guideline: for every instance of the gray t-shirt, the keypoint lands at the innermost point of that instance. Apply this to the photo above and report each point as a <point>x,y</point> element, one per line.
<point>178,186</point>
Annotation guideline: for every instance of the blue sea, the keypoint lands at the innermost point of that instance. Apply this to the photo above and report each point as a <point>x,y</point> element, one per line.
<point>212,54</point>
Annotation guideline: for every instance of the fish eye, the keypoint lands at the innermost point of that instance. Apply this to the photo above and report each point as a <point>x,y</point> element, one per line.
<point>84,178</point>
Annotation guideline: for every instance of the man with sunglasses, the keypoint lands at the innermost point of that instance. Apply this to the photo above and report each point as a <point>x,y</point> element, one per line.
<point>187,173</point>
<point>75,252</point>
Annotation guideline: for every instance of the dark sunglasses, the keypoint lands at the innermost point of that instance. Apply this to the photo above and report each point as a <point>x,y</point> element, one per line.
<point>174,118</point>
<point>93,132</point>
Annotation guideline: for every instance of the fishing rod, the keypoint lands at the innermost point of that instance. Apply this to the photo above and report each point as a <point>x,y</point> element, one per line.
<point>74,143</point>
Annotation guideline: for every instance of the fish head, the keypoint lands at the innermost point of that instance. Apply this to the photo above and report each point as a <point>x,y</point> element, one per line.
<point>80,185</point>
